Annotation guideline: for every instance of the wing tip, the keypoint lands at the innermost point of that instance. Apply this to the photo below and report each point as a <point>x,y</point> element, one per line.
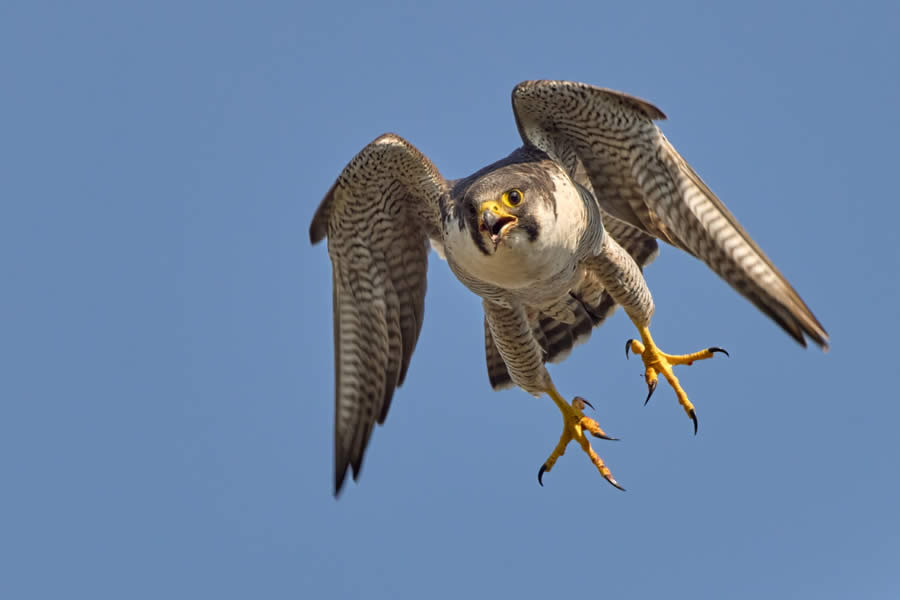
<point>800,327</point>
<point>340,474</point>
<point>808,324</point>
<point>342,465</point>
<point>819,335</point>
<point>819,339</point>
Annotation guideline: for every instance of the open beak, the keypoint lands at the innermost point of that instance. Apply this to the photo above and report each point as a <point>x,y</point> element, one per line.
<point>496,221</point>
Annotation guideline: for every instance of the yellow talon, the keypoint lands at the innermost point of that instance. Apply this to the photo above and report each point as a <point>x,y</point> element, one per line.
<point>658,362</point>
<point>575,423</point>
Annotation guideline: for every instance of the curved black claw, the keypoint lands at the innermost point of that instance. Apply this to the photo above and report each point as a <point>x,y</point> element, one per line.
<point>603,436</point>
<point>652,388</point>
<point>615,483</point>
<point>715,349</point>
<point>693,416</point>
<point>628,347</point>
<point>541,474</point>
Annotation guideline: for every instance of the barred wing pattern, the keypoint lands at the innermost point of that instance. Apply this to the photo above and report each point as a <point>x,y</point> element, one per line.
<point>639,178</point>
<point>378,217</point>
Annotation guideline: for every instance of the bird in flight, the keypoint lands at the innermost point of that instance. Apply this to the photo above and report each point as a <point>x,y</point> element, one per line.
<point>552,238</point>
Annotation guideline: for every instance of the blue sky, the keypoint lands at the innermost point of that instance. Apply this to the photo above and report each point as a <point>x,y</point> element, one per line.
<point>167,385</point>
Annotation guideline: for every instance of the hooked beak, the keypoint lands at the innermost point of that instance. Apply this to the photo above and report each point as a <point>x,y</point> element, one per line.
<point>496,221</point>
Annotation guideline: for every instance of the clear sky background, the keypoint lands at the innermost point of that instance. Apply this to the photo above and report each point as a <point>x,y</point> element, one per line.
<point>165,326</point>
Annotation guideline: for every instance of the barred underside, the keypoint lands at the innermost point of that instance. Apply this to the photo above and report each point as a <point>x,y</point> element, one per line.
<point>589,301</point>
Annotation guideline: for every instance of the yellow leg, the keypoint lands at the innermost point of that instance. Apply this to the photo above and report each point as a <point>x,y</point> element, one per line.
<point>574,426</point>
<point>657,362</point>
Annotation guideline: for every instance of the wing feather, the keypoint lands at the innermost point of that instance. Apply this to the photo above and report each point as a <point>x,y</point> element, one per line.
<point>642,181</point>
<point>378,218</point>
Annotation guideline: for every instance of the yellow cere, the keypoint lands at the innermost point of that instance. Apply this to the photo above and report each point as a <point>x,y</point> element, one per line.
<point>493,206</point>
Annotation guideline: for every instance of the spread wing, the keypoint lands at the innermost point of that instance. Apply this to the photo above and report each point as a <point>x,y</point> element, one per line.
<point>378,217</point>
<point>640,179</point>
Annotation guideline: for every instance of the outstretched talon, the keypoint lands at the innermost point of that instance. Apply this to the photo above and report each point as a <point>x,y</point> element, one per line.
<point>574,426</point>
<point>541,474</point>
<point>651,385</point>
<point>658,362</point>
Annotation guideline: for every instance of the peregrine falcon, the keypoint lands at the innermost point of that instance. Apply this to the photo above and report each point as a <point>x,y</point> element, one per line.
<point>551,238</point>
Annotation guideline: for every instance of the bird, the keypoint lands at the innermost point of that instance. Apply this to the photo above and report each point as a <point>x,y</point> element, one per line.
<point>552,238</point>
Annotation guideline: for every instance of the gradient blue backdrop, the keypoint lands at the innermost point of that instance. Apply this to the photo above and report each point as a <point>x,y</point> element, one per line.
<point>165,326</point>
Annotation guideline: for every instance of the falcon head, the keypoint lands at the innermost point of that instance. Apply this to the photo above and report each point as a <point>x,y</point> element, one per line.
<point>509,208</point>
<point>519,222</point>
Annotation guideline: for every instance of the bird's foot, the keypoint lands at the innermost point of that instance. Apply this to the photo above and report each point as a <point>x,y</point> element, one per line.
<point>657,362</point>
<point>575,424</point>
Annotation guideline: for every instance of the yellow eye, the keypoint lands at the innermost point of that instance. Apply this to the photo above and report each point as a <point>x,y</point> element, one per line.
<point>513,197</point>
